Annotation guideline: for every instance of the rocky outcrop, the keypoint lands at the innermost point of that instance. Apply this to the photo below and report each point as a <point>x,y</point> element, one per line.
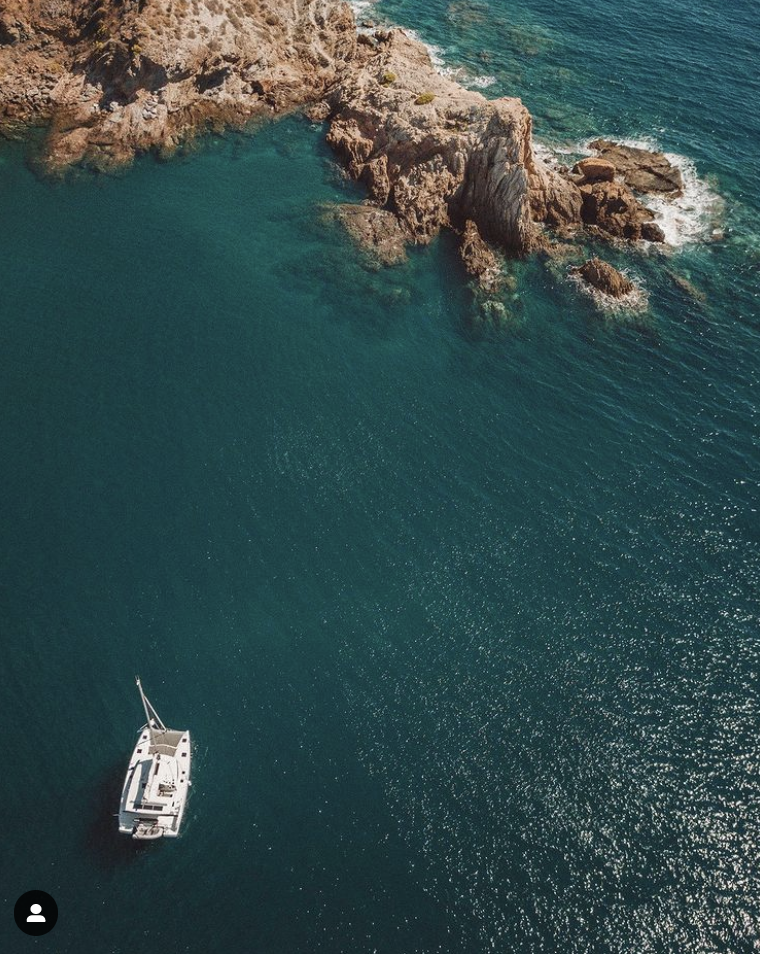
<point>114,79</point>
<point>641,169</point>
<point>594,170</point>
<point>555,200</point>
<point>615,210</point>
<point>605,279</point>
<point>479,259</point>
<point>437,155</point>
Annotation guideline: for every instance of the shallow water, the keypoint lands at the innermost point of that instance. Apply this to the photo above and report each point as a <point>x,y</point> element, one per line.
<point>464,620</point>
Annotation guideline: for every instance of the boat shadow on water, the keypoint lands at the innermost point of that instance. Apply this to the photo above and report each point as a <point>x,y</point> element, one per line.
<point>103,843</point>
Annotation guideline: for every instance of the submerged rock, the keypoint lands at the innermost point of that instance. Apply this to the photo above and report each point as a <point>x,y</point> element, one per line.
<point>686,286</point>
<point>494,312</point>
<point>604,278</point>
<point>377,232</point>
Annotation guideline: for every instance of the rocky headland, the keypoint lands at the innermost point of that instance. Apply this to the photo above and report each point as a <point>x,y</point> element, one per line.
<point>110,80</point>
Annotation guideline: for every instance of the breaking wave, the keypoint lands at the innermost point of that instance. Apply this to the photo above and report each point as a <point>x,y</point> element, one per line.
<point>694,216</point>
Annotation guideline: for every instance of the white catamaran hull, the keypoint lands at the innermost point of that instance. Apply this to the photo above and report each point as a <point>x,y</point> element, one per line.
<point>157,782</point>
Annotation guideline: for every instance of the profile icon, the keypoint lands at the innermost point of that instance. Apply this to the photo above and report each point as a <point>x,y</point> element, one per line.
<point>35,913</point>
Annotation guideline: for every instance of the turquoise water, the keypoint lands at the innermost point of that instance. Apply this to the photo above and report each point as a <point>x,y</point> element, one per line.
<point>464,621</point>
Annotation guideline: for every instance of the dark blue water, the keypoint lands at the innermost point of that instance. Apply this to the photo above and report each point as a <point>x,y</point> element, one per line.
<point>464,621</point>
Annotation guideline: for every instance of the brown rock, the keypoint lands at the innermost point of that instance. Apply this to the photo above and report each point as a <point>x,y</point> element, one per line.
<point>348,139</point>
<point>461,158</point>
<point>375,177</point>
<point>555,200</point>
<point>258,59</point>
<point>377,231</point>
<point>651,232</point>
<point>642,169</point>
<point>479,259</point>
<point>614,209</point>
<point>606,279</point>
<point>318,112</point>
<point>595,170</point>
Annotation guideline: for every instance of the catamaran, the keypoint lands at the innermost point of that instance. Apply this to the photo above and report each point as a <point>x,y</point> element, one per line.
<point>158,779</point>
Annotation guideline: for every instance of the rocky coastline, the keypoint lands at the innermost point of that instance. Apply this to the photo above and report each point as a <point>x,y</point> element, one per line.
<point>109,81</point>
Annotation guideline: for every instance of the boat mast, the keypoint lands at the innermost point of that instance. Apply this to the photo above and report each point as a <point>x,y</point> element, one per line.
<point>150,713</point>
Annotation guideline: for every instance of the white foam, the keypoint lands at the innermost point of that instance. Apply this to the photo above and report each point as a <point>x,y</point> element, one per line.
<point>457,73</point>
<point>362,9</point>
<point>694,215</point>
<point>547,154</point>
<point>689,218</point>
<point>635,302</point>
<point>573,150</point>
<point>436,53</point>
<point>643,142</point>
<point>479,82</point>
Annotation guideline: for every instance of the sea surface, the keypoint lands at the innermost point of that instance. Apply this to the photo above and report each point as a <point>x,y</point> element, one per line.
<point>464,619</point>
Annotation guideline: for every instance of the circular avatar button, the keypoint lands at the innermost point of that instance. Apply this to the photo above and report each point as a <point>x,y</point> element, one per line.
<point>35,913</point>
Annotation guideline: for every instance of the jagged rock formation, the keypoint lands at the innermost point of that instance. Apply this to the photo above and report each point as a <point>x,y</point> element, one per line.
<point>612,208</point>
<point>111,79</point>
<point>642,170</point>
<point>437,155</point>
<point>479,260</point>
